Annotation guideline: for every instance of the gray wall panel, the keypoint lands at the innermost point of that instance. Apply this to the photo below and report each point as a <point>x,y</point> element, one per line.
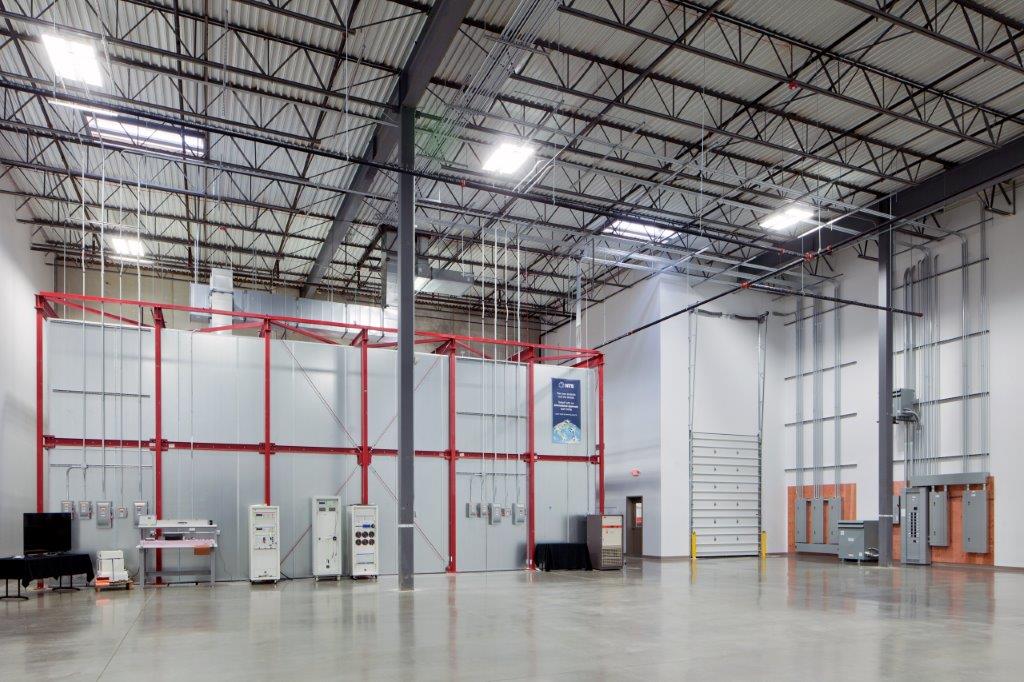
<point>213,391</point>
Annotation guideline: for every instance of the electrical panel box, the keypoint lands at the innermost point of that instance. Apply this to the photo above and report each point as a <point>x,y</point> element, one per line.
<point>139,509</point>
<point>817,520</point>
<point>857,539</point>
<point>122,512</point>
<point>104,514</point>
<point>938,518</point>
<point>904,405</point>
<point>362,557</point>
<point>518,513</point>
<point>835,514</point>
<point>264,543</point>
<point>604,540</point>
<point>472,510</point>
<point>800,515</point>
<point>85,509</point>
<point>326,530</point>
<point>68,507</point>
<point>494,513</point>
<point>897,506</point>
<point>914,530</point>
<point>975,521</point>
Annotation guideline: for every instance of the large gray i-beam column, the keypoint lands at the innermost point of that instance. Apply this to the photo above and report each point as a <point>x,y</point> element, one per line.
<point>885,399</point>
<point>406,321</point>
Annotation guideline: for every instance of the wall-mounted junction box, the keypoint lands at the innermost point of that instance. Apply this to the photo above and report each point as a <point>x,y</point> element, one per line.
<point>472,510</point>
<point>904,405</point>
<point>140,508</point>
<point>494,513</point>
<point>518,513</point>
<point>938,518</point>
<point>105,514</point>
<point>975,521</point>
<point>68,507</point>
<point>85,509</point>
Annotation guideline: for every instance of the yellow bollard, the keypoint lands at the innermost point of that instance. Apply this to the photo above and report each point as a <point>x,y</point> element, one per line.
<point>764,544</point>
<point>693,544</point>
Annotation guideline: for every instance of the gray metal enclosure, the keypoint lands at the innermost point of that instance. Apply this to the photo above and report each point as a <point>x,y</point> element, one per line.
<point>99,385</point>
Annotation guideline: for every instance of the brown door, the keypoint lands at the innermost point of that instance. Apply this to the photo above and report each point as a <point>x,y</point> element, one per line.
<point>635,526</point>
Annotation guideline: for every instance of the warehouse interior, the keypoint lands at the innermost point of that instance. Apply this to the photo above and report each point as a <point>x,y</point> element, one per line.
<point>533,339</point>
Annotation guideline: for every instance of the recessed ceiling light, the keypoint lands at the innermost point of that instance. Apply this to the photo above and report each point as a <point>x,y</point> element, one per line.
<point>128,247</point>
<point>787,218</point>
<point>624,228</point>
<point>138,133</point>
<point>508,158</point>
<point>73,60</point>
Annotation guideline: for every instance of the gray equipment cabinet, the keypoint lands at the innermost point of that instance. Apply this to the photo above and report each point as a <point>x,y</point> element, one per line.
<point>604,540</point>
<point>856,538</point>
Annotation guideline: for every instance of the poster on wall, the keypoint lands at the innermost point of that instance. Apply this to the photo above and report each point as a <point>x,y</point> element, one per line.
<point>566,426</point>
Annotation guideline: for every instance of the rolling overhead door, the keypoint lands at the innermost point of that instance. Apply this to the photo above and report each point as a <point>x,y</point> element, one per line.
<point>725,493</point>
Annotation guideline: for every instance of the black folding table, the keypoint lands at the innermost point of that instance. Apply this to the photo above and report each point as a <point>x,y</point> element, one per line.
<point>25,569</point>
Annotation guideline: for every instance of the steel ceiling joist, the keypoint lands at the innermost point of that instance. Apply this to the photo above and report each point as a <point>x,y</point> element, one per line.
<point>441,27</point>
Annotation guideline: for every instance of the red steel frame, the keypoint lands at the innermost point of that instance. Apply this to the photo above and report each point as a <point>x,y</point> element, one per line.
<point>528,354</point>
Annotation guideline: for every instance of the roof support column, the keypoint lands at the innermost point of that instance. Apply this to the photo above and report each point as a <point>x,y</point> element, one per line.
<point>885,398</point>
<point>406,320</point>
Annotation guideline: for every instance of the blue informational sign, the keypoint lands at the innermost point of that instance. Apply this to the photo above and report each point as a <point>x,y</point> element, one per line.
<point>566,426</point>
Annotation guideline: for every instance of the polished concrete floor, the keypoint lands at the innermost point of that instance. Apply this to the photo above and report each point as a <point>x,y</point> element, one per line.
<point>718,619</point>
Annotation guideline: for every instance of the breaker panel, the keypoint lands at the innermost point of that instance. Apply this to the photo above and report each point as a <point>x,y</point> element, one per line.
<point>326,537</point>
<point>362,541</point>
<point>264,543</point>
<point>914,529</point>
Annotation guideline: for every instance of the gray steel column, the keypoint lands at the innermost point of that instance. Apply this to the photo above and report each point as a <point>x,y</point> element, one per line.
<point>406,321</point>
<point>885,399</point>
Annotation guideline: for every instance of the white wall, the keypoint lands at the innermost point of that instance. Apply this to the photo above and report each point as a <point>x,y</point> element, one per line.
<point>22,274</point>
<point>646,401</point>
<point>1004,375</point>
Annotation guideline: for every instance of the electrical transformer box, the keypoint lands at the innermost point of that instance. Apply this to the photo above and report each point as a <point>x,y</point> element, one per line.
<point>361,541</point>
<point>857,539</point>
<point>326,529</point>
<point>264,543</point>
<point>604,540</point>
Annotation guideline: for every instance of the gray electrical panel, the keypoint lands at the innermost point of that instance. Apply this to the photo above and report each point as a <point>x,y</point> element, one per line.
<point>835,515</point>
<point>494,513</point>
<point>856,538</point>
<point>817,520</point>
<point>139,509</point>
<point>800,515</point>
<point>518,513</point>
<point>975,520</point>
<point>104,514</point>
<point>914,530</point>
<point>85,509</point>
<point>897,505</point>
<point>68,507</point>
<point>938,518</point>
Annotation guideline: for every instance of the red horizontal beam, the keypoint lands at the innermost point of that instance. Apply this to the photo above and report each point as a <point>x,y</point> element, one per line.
<point>231,327</point>
<point>51,442</point>
<point>305,332</point>
<point>70,298</point>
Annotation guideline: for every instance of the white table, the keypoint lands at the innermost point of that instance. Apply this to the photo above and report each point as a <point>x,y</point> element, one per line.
<point>161,543</point>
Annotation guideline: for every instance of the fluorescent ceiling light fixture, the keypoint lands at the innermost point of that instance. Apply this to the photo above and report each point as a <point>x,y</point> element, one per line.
<point>624,228</point>
<point>128,247</point>
<point>132,259</point>
<point>73,60</point>
<point>787,218</point>
<point>79,107</point>
<point>508,158</point>
<point>138,133</point>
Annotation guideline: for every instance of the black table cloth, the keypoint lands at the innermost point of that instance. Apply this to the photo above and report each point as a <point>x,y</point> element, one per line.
<point>39,566</point>
<point>562,556</point>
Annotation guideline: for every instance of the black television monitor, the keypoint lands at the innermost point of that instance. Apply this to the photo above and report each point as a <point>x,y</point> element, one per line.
<point>46,533</point>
